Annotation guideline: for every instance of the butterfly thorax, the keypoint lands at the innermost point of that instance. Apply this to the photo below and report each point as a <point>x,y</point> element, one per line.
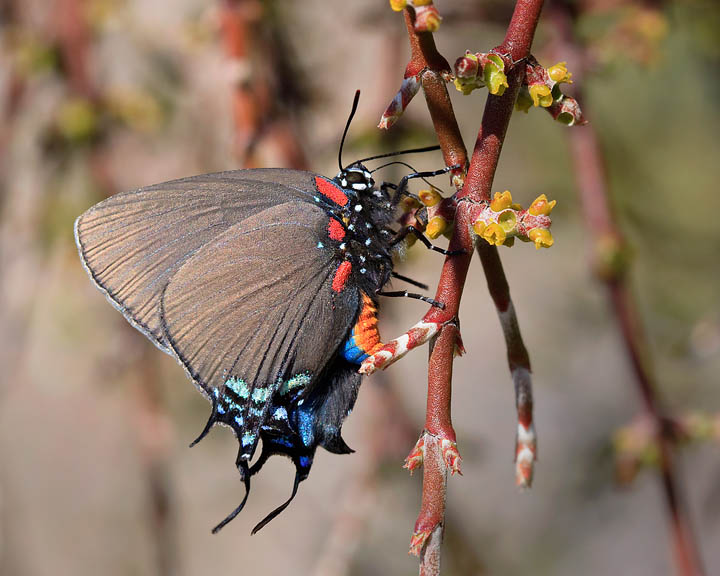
<point>361,230</point>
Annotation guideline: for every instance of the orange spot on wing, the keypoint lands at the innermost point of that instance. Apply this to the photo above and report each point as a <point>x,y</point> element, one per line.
<point>341,276</point>
<point>336,230</point>
<point>330,190</point>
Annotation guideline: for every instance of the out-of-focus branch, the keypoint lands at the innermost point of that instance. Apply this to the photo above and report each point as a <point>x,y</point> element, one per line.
<point>256,93</point>
<point>236,21</point>
<point>610,266</point>
<point>75,44</point>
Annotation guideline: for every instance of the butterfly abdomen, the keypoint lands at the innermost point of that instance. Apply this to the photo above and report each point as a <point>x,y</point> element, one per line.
<point>364,339</point>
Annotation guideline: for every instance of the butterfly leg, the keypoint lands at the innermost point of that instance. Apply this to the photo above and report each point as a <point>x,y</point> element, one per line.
<point>406,294</point>
<point>402,185</point>
<point>400,236</point>
<point>410,281</point>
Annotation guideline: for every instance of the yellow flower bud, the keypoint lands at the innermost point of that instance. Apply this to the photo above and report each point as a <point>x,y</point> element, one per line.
<point>479,227</point>
<point>494,75</point>
<point>541,206</point>
<point>541,237</point>
<point>559,73</point>
<point>429,197</point>
<point>494,234</point>
<point>507,221</point>
<point>428,20</point>
<point>422,2</point>
<point>436,227</point>
<point>408,204</point>
<point>541,95</point>
<point>501,201</point>
<point>524,101</point>
<point>467,85</point>
<point>398,5</point>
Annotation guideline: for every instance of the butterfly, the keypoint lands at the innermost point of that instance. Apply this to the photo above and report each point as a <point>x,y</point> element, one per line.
<point>264,285</point>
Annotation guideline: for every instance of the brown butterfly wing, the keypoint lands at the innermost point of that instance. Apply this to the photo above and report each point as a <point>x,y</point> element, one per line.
<point>133,242</point>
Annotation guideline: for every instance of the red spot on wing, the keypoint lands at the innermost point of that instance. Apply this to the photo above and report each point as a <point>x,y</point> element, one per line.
<point>336,230</point>
<point>330,190</point>
<point>341,275</point>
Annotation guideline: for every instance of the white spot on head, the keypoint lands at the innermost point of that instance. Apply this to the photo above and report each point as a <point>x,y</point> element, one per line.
<point>358,208</point>
<point>362,270</point>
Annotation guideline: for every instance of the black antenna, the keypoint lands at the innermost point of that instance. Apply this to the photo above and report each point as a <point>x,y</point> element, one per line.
<point>411,168</point>
<point>390,164</point>
<point>347,127</point>
<point>399,152</point>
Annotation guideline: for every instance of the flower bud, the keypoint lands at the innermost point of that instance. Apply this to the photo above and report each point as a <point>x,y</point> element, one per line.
<point>437,226</point>
<point>501,201</point>
<point>494,75</point>
<point>541,95</point>
<point>541,206</point>
<point>508,221</point>
<point>427,18</point>
<point>429,197</point>
<point>559,73</point>
<point>467,66</point>
<point>494,234</point>
<point>541,237</point>
<point>479,227</point>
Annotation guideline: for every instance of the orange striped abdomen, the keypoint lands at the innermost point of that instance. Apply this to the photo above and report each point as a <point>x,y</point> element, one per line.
<point>365,338</point>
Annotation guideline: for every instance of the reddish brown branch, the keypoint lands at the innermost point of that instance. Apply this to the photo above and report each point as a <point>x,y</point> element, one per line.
<point>452,280</point>
<point>424,56</point>
<point>609,259</point>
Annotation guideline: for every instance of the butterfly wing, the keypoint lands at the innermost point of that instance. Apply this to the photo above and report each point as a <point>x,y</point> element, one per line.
<point>256,308</point>
<point>133,242</point>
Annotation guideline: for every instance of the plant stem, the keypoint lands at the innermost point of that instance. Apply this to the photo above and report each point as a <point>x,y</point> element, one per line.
<point>452,280</point>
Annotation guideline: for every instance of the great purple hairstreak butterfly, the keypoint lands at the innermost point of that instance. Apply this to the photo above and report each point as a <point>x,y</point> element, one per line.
<point>264,285</point>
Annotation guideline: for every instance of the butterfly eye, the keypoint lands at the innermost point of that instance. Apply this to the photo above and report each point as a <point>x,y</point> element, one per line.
<point>355,177</point>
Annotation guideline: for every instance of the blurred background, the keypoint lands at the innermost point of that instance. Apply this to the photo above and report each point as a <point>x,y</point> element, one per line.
<point>99,96</point>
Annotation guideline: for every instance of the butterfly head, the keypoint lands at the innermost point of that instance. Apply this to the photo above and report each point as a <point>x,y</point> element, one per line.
<point>355,177</point>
